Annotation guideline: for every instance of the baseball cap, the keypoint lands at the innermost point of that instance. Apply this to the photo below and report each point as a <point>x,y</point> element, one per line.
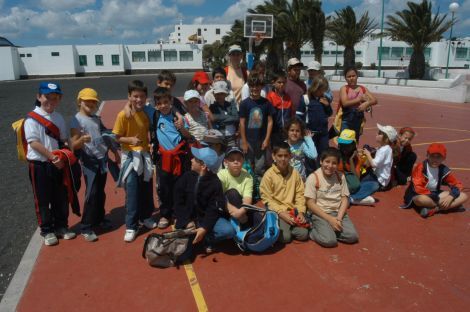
<point>294,61</point>
<point>191,94</point>
<point>233,149</point>
<point>46,87</point>
<point>314,65</point>
<point>389,131</point>
<point>201,77</point>
<point>437,148</point>
<point>209,157</point>
<point>88,94</point>
<point>347,136</point>
<point>220,87</point>
<point>234,48</point>
<point>213,136</point>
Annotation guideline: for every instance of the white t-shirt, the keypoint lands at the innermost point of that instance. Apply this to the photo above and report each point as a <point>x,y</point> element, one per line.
<point>34,131</point>
<point>433,176</point>
<point>383,164</point>
<point>90,125</point>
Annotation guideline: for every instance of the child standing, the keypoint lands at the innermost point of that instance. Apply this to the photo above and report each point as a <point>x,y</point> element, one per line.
<point>282,190</point>
<point>381,166</point>
<point>283,110</point>
<point>404,158</point>
<point>224,114</point>
<point>136,164</point>
<point>301,146</point>
<point>50,194</point>
<point>171,154</point>
<point>256,124</point>
<point>327,197</point>
<point>314,110</point>
<point>219,74</point>
<point>195,118</point>
<point>167,79</point>
<point>85,131</point>
<point>425,191</point>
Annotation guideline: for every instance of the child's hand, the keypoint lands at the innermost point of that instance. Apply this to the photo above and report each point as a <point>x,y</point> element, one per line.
<point>265,145</point>
<point>200,233</point>
<point>244,146</point>
<point>444,203</point>
<point>363,107</point>
<point>335,224</point>
<point>301,218</point>
<point>128,109</point>
<point>366,152</point>
<point>86,138</point>
<point>57,162</point>
<point>353,156</point>
<point>179,122</point>
<point>287,218</point>
<point>324,101</point>
<point>239,214</point>
<point>308,133</point>
<point>135,141</point>
<point>364,98</point>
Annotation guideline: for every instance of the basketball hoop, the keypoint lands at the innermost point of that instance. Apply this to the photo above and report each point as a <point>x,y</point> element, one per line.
<point>259,36</point>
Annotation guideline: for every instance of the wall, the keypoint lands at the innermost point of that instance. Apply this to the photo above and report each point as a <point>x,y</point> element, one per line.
<point>9,67</point>
<point>42,63</point>
<point>91,51</point>
<point>208,35</point>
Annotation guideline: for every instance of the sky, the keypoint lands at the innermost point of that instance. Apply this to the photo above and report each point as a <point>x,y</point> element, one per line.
<point>50,22</point>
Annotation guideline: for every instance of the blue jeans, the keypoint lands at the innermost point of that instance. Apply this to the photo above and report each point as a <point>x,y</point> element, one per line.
<point>369,185</point>
<point>139,200</point>
<point>222,230</point>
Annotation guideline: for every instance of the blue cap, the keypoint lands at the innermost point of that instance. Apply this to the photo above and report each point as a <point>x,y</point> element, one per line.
<point>209,157</point>
<point>46,87</point>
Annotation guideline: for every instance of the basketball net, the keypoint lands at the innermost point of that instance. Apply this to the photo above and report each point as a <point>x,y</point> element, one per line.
<point>259,38</point>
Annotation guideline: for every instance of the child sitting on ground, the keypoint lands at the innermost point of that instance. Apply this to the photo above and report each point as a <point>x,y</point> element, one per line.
<point>86,139</point>
<point>195,118</point>
<point>327,195</point>
<point>425,191</point>
<point>404,158</point>
<point>350,163</point>
<point>381,164</point>
<point>199,200</point>
<point>237,184</point>
<point>301,146</point>
<point>282,190</point>
<point>224,114</point>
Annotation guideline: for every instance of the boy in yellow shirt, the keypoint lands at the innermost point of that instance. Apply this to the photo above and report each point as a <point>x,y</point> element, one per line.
<point>136,163</point>
<point>282,189</point>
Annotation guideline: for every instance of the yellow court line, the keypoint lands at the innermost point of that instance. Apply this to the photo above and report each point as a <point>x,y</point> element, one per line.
<point>193,282</point>
<point>453,141</point>
<point>434,128</point>
<point>460,169</point>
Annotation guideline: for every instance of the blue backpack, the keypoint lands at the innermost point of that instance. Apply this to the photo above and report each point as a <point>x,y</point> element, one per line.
<point>262,235</point>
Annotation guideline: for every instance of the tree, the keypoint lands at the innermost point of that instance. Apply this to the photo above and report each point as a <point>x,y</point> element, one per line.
<point>418,27</point>
<point>315,23</point>
<point>214,54</point>
<point>345,30</point>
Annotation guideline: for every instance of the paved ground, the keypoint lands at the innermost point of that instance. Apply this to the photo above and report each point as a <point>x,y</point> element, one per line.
<point>17,217</point>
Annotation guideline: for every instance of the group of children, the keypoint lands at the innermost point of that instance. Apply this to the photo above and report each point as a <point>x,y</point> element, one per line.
<point>212,155</point>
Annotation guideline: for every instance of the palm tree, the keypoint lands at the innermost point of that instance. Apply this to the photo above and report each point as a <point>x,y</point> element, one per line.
<point>315,23</point>
<point>345,30</point>
<point>214,54</point>
<point>418,27</point>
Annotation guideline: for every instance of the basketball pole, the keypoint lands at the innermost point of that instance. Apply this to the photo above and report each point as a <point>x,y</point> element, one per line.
<point>250,57</point>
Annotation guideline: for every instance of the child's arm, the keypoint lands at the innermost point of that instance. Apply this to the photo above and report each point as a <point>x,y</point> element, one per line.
<point>345,102</point>
<point>244,142</point>
<point>299,197</point>
<point>179,122</point>
<point>344,205</point>
<point>309,148</point>
<point>134,141</point>
<point>335,223</point>
<point>41,149</point>
<point>268,133</point>
<point>353,165</point>
<point>78,139</point>
<point>207,111</point>
<point>301,110</point>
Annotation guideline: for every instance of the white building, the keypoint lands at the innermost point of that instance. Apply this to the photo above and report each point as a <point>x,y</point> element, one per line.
<point>200,33</point>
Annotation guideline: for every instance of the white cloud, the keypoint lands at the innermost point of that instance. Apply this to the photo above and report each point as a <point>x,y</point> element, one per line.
<point>239,9</point>
<point>198,20</point>
<point>190,2</point>
<point>55,5</point>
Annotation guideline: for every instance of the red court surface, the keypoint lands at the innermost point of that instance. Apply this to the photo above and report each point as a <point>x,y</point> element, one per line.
<point>402,262</point>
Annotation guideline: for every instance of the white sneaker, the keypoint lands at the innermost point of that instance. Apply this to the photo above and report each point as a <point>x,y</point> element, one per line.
<point>65,233</point>
<point>149,223</point>
<point>130,235</point>
<point>368,201</point>
<point>50,239</point>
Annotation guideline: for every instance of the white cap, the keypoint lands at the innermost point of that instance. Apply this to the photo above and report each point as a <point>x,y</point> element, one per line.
<point>220,87</point>
<point>314,65</point>
<point>294,61</point>
<point>234,48</point>
<point>389,131</point>
<point>191,94</point>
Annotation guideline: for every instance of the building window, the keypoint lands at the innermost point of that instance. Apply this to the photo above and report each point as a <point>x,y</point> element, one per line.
<point>325,52</point>
<point>82,61</point>
<point>199,31</point>
<point>99,60</point>
<point>115,59</point>
<point>385,53</point>
<point>217,31</point>
<point>154,56</point>
<point>179,35</point>
<point>55,53</point>
<point>22,55</point>
<point>408,51</point>
<point>205,29</point>
<point>170,55</point>
<point>138,56</point>
<point>461,53</point>
<point>186,56</point>
<point>358,52</point>
<point>178,28</point>
<point>29,55</point>
<point>427,54</point>
<point>397,53</point>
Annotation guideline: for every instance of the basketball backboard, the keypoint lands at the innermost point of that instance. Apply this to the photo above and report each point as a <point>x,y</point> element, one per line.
<point>257,25</point>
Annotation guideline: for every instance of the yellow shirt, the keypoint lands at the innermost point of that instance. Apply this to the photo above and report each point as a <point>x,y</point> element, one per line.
<point>136,125</point>
<point>282,193</point>
<point>330,190</point>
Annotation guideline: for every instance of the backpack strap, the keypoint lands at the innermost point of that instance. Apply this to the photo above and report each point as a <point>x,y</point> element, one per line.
<point>317,181</point>
<point>306,101</point>
<point>51,129</point>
